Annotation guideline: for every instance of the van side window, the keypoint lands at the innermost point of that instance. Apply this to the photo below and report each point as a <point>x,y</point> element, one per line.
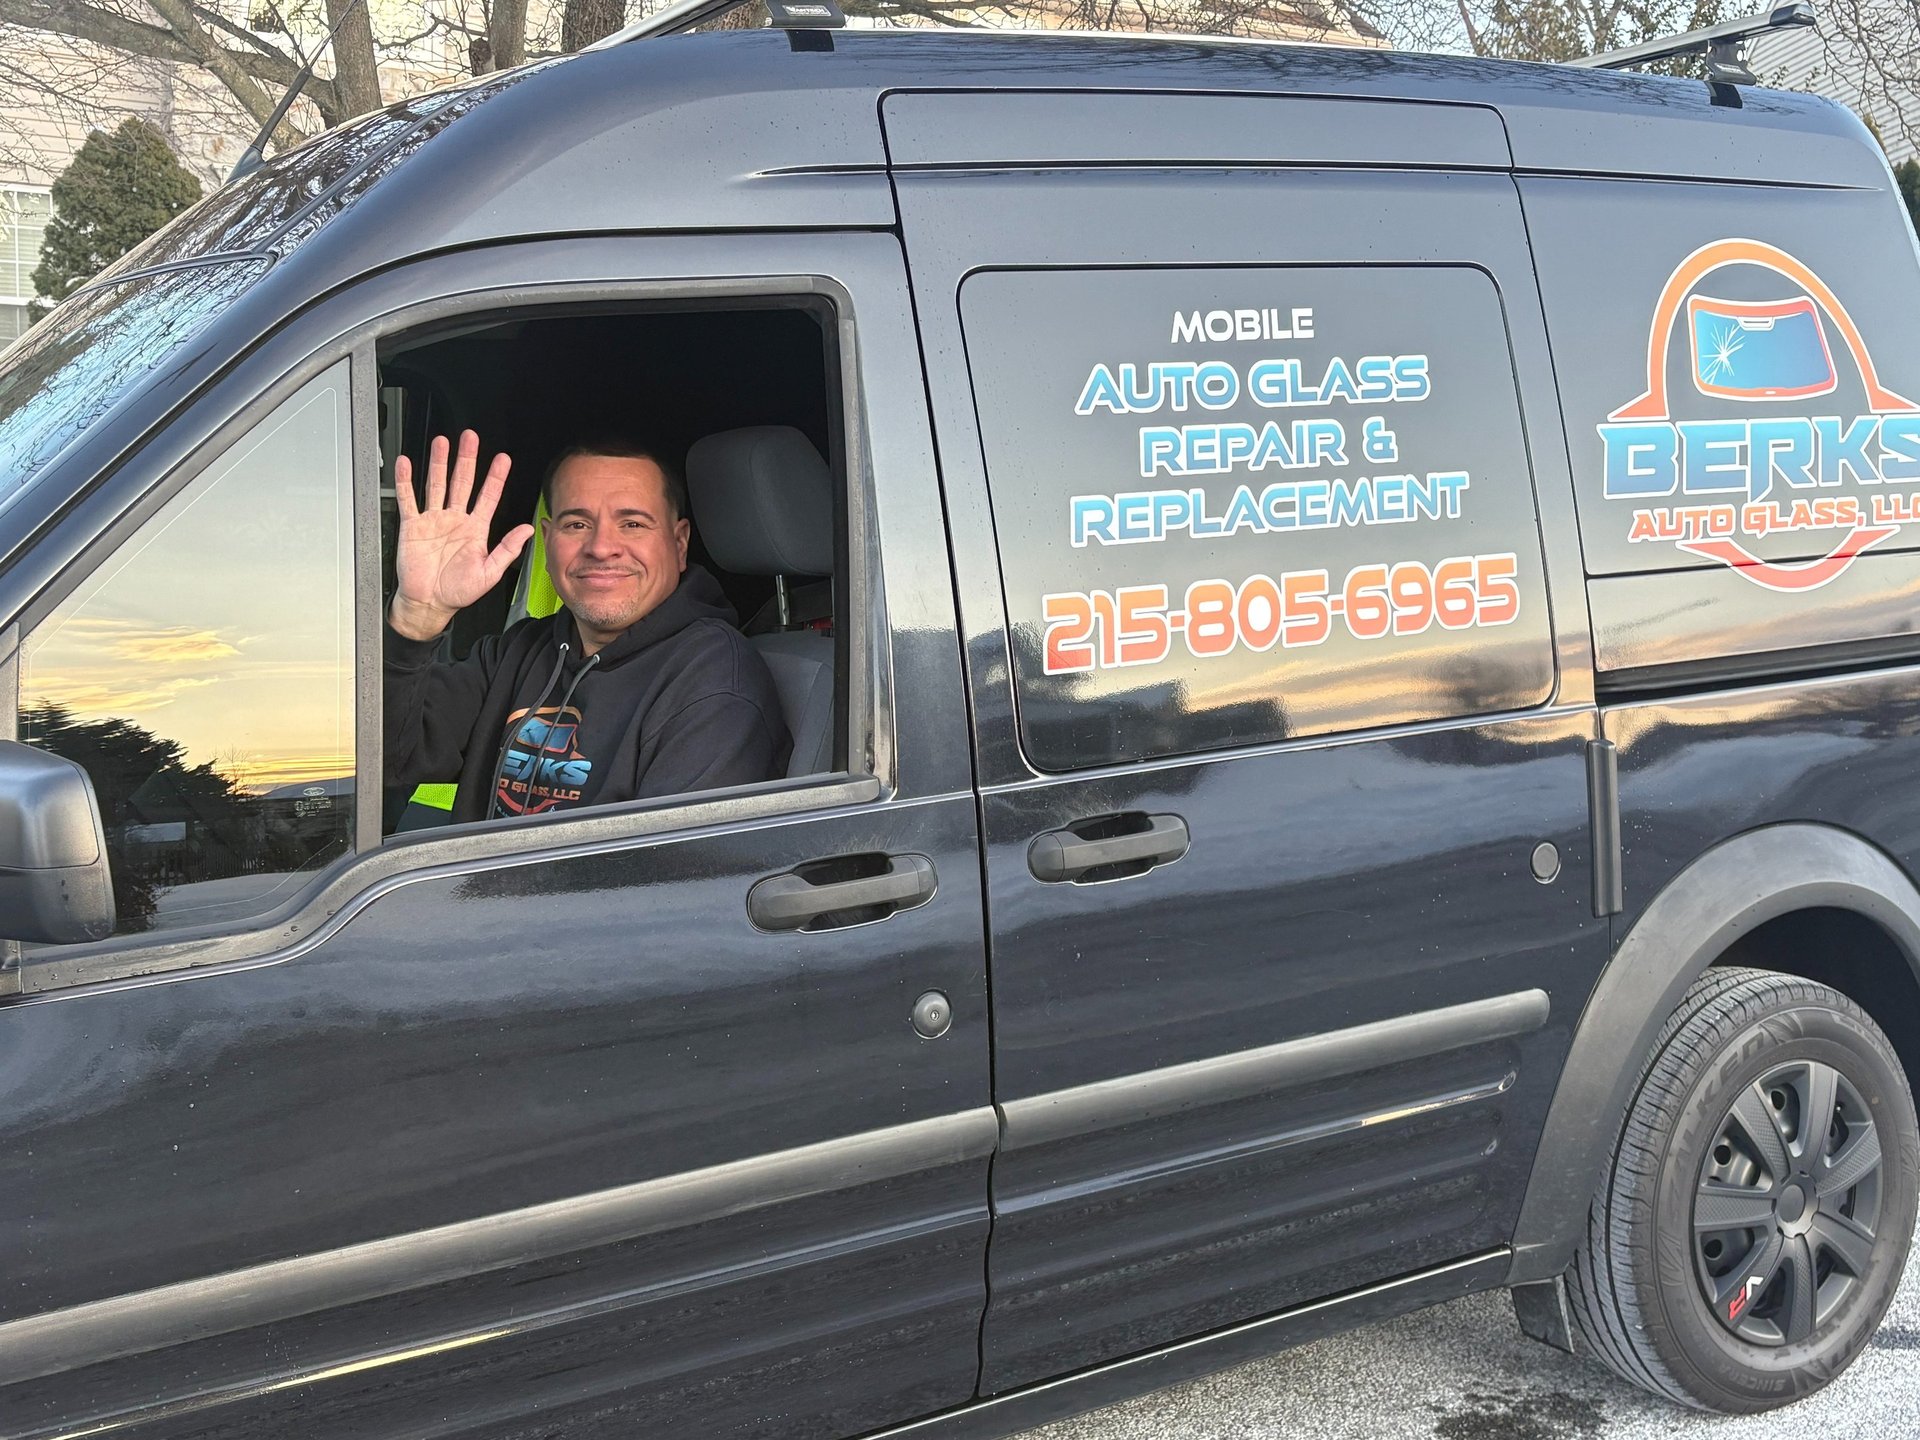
<point>203,677</point>
<point>736,400</point>
<point>1237,506</point>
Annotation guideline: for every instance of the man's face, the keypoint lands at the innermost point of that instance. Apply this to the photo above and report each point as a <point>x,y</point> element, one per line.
<point>614,548</point>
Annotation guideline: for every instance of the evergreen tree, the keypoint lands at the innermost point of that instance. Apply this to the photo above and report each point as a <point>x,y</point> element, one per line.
<point>1907,174</point>
<point>119,189</point>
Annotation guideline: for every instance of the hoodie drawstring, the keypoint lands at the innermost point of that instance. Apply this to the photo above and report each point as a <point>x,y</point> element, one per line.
<point>567,699</point>
<point>506,746</point>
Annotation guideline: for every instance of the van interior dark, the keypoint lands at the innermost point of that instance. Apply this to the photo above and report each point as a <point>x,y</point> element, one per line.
<point>533,382</point>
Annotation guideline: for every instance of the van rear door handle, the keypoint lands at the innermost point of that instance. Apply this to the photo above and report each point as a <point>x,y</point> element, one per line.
<point>1144,842</point>
<point>806,898</point>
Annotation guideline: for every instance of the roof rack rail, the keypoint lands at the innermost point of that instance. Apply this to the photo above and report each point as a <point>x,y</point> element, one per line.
<point>685,15</point>
<point>1725,44</point>
<point>670,20</point>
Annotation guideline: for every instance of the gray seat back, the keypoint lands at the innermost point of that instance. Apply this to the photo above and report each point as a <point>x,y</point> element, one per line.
<point>802,667</point>
<point>763,501</point>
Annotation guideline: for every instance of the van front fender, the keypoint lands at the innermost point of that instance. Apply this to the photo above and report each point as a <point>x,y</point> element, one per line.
<point>1726,893</point>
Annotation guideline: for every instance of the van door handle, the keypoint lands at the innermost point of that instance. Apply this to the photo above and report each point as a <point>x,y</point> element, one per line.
<point>1067,855</point>
<point>795,901</point>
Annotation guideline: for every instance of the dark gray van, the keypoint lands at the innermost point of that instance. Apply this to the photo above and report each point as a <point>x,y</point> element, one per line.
<point>1348,627</point>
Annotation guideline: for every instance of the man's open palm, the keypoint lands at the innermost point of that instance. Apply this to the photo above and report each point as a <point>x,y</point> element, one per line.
<point>442,564</point>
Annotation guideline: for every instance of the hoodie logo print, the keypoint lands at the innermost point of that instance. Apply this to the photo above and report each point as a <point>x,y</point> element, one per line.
<point>544,767</point>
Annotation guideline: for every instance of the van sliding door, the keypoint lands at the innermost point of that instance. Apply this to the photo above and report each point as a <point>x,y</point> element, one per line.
<point>1281,702</point>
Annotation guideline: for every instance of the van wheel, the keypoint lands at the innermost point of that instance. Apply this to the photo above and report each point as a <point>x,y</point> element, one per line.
<point>1755,1222</point>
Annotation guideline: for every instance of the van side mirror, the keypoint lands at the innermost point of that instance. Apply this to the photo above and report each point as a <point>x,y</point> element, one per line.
<point>54,883</point>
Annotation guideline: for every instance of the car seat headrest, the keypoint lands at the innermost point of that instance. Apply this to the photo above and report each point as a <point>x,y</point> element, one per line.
<point>763,501</point>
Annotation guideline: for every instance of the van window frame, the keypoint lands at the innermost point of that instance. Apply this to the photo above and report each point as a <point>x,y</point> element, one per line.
<point>379,864</point>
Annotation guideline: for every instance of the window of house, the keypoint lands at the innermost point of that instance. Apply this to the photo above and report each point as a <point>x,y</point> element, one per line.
<point>1238,506</point>
<point>24,212</point>
<point>202,675</point>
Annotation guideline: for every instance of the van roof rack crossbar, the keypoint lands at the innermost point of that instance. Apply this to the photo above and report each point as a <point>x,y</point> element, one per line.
<point>1725,45</point>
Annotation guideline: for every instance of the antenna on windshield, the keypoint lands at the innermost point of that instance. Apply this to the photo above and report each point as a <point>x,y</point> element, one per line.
<point>256,153</point>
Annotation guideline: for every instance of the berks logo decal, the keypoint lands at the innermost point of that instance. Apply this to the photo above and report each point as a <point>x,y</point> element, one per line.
<point>1725,482</point>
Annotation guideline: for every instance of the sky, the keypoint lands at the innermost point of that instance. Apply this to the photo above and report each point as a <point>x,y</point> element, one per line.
<point>228,626</point>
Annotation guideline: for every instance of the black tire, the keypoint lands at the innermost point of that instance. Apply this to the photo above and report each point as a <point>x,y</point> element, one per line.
<point>1705,1276</point>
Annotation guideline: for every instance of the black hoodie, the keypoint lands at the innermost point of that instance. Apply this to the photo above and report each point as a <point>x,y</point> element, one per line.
<point>679,702</point>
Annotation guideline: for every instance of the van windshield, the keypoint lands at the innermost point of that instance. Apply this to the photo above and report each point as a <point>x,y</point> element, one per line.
<point>91,352</point>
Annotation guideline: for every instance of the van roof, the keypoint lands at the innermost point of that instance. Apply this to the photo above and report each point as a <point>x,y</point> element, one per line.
<point>742,130</point>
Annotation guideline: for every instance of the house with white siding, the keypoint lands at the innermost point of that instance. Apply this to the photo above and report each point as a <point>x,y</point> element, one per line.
<point>1825,64</point>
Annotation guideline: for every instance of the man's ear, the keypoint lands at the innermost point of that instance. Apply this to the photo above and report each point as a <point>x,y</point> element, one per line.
<point>682,534</point>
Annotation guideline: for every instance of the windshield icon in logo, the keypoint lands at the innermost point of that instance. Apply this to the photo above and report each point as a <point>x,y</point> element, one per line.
<point>1759,350</point>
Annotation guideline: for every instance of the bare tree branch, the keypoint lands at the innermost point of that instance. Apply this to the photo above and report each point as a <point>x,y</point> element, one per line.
<point>100,26</point>
<point>240,32</point>
<point>1473,31</point>
<point>224,65</point>
<point>86,22</point>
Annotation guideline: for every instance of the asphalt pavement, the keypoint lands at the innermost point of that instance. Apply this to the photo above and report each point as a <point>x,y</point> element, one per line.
<point>1463,1371</point>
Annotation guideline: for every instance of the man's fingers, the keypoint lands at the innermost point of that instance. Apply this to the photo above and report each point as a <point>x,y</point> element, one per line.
<point>490,489</point>
<point>507,551</point>
<point>463,466</point>
<point>437,473</point>
<point>403,488</point>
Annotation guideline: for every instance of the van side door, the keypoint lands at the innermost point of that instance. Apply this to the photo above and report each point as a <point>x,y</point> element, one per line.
<point>1264,545</point>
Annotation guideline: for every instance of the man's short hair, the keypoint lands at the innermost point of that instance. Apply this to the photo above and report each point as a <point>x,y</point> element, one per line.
<point>616,446</point>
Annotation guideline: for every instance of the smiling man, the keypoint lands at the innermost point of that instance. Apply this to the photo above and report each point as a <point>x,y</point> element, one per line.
<point>641,685</point>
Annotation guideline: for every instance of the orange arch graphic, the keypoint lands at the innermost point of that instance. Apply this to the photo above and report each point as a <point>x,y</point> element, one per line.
<point>1703,262</point>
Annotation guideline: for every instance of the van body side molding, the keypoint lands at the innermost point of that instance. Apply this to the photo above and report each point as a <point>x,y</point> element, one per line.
<point>1150,1094</point>
<point>1732,889</point>
<point>100,1330</point>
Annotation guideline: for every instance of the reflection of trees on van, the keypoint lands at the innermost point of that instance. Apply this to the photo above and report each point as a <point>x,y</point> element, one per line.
<point>1071,721</point>
<point>63,376</point>
<point>1098,718</point>
<point>1491,676</point>
<point>169,824</point>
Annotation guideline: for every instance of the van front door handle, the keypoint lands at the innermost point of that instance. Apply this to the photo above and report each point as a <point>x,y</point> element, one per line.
<point>1067,855</point>
<point>796,900</point>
